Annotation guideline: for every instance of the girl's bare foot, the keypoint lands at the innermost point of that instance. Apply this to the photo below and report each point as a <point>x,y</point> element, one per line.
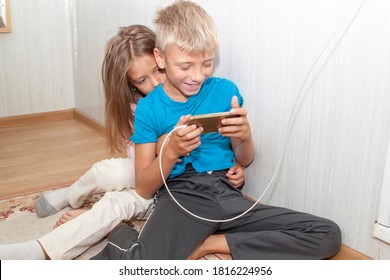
<point>70,215</point>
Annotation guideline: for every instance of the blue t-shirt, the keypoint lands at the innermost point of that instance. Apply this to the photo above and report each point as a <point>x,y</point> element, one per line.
<point>157,114</point>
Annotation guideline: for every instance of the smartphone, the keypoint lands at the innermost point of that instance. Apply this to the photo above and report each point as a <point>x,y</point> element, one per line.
<point>210,122</point>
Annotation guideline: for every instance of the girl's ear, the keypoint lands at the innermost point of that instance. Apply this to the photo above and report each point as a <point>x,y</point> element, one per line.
<point>159,57</point>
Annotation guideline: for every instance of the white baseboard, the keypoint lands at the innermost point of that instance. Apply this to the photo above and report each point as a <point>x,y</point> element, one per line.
<point>382,233</point>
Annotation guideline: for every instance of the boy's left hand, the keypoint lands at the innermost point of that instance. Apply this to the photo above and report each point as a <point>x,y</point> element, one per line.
<point>236,127</point>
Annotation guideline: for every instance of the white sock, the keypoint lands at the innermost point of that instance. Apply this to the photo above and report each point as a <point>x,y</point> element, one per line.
<point>50,203</point>
<point>58,198</point>
<point>29,250</point>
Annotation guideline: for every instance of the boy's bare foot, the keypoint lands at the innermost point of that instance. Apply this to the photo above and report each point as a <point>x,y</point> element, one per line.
<point>66,217</point>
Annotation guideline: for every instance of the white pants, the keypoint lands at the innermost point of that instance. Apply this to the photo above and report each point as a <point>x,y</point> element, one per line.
<point>120,202</point>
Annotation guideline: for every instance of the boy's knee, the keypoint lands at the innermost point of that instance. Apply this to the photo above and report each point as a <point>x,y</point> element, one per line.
<point>337,237</point>
<point>332,241</point>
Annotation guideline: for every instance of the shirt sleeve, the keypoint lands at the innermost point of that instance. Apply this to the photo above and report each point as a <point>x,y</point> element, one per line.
<point>144,124</point>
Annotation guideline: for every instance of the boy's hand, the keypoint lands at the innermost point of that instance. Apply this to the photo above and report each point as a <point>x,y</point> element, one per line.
<point>160,141</point>
<point>236,127</point>
<point>184,140</point>
<point>236,175</point>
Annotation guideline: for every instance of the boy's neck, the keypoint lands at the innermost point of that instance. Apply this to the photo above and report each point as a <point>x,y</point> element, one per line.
<point>174,93</point>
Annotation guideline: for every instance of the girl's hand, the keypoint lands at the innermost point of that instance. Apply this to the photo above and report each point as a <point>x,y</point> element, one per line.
<point>236,176</point>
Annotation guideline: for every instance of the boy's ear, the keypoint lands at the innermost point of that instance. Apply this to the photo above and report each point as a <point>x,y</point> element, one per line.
<point>159,57</point>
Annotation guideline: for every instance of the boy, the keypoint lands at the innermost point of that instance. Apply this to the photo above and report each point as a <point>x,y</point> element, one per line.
<point>187,43</point>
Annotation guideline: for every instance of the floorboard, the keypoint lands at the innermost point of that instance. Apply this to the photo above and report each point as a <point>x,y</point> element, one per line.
<point>47,154</point>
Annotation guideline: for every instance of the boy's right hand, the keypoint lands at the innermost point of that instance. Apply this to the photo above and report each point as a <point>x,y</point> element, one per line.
<point>184,140</point>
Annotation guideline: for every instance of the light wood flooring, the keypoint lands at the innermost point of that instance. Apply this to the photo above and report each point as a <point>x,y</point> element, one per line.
<point>47,154</point>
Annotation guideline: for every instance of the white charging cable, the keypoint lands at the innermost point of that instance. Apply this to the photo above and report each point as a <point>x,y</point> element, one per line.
<point>290,121</point>
<point>174,199</point>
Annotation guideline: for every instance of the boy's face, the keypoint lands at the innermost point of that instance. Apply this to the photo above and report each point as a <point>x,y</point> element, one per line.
<point>185,72</point>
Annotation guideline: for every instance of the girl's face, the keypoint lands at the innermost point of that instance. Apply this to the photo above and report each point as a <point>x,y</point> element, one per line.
<point>144,74</point>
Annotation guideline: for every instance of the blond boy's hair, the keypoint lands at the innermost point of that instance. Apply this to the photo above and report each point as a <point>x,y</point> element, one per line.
<point>188,26</point>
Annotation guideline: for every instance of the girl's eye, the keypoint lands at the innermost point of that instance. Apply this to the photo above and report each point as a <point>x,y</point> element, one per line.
<point>140,82</point>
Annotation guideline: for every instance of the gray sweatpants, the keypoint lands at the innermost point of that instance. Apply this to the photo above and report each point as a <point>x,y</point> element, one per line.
<point>266,232</point>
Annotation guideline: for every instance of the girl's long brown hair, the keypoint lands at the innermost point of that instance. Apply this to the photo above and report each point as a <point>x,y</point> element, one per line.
<point>121,50</point>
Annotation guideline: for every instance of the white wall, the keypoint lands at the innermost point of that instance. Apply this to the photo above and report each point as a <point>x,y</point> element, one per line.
<point>97,21</point>
<point>36,66</point>
<point>384,209</point>
<point>336,152</point>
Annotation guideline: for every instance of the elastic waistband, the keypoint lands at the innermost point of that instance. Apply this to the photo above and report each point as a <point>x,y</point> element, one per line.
<point>190,171</point>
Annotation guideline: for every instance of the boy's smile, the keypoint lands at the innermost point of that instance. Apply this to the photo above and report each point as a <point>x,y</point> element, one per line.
<point>185,71</point>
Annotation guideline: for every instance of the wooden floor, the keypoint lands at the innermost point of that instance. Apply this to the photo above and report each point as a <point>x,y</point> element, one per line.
<point>47,154</point>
